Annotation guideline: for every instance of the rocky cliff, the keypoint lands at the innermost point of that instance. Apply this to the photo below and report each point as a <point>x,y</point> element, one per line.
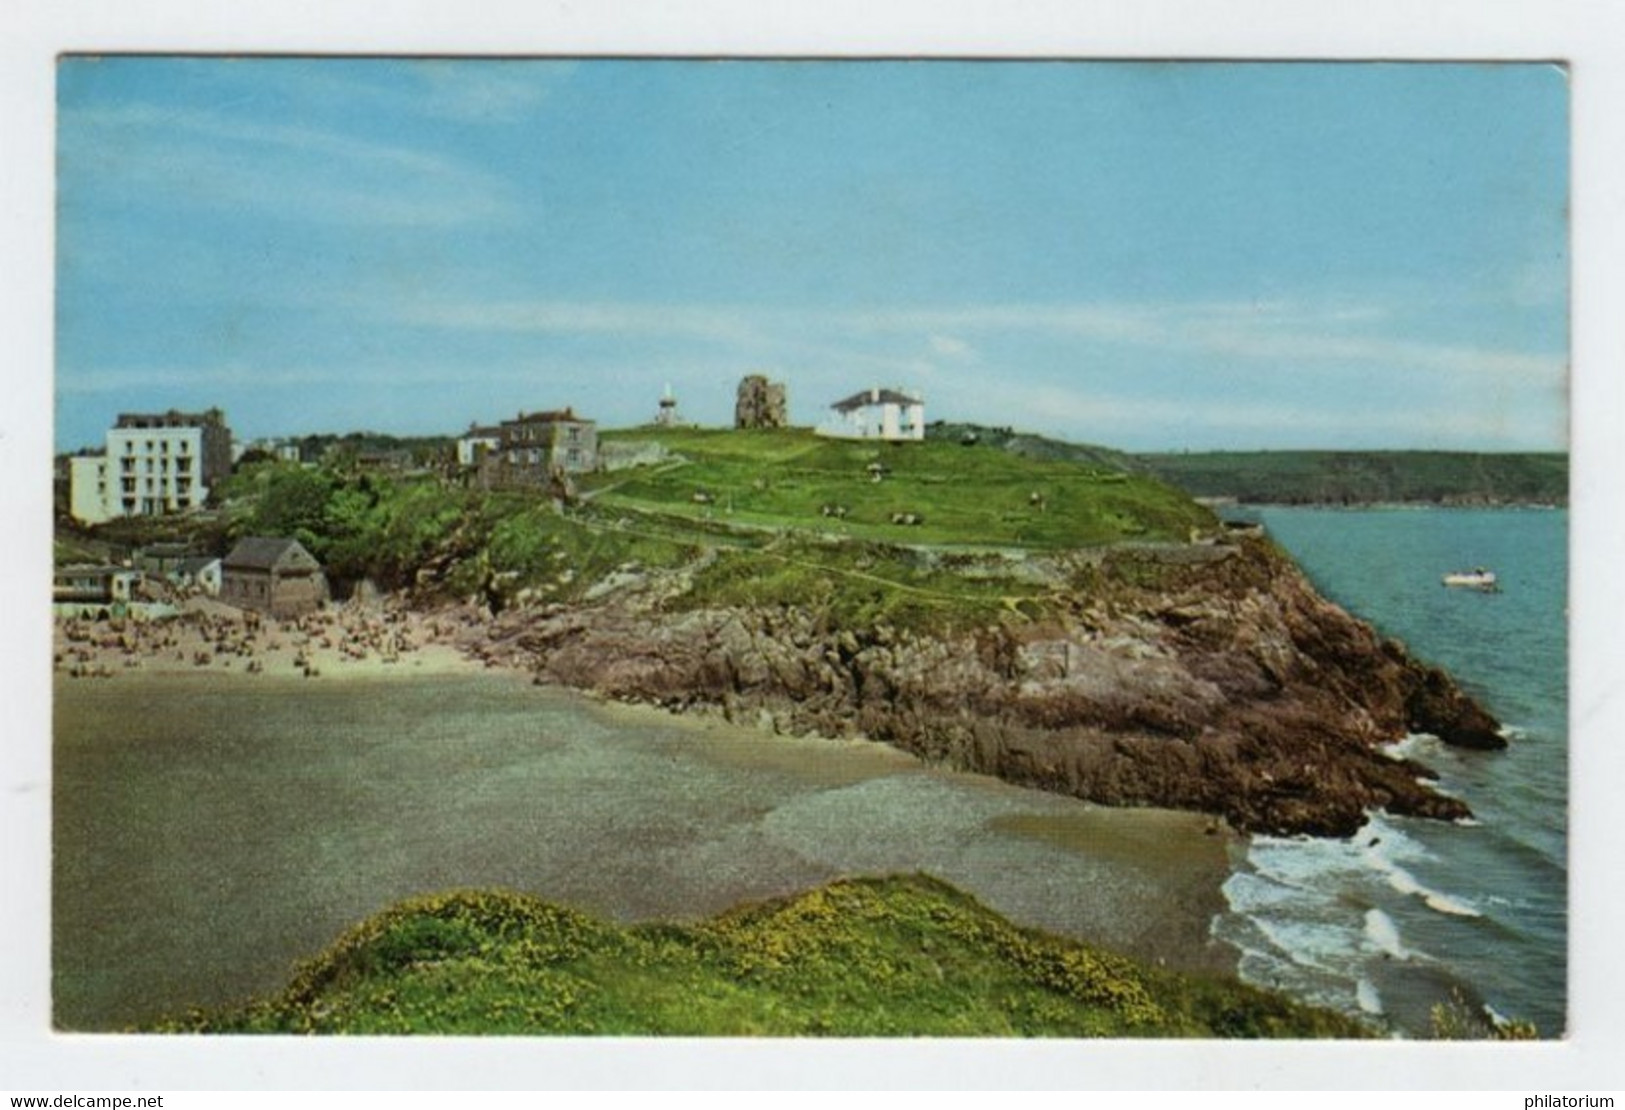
<point>1208,678</point>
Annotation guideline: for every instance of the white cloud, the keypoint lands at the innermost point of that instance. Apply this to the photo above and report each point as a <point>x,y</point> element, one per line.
<point>1277,332</point>
<point>949,346</point>
<point>492,91</point>
<point>218,160</point>
<point>466,90</point>
<point>567,317</point>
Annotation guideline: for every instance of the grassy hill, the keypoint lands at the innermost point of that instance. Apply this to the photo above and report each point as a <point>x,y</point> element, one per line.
<point>1367,477</point>
<point>974,496</point>
<point>886,957</point>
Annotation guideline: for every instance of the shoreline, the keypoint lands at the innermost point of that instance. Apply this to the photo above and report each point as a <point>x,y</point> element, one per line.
<point>1157,875</point>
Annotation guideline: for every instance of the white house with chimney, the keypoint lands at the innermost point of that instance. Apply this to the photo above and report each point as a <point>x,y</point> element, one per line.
<point>887,414</point>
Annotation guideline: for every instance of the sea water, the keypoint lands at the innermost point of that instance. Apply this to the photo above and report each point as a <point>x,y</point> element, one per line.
<point>1410,913</point>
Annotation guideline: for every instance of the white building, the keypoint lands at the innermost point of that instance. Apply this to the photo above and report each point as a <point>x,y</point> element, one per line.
<point>154,463</point>
<point>476,443</point>
<point>877,414</point>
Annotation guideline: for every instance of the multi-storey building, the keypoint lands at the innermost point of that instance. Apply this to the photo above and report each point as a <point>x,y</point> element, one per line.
<point>154,463</point>
<point>535,448</point>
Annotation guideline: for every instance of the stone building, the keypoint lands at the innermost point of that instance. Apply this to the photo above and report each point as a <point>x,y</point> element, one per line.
<point>761,404</point>
<point>534,450</point>
<point>274,575</point>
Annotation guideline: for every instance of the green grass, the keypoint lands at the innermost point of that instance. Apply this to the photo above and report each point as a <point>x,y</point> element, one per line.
<point>852,584</point>
<point>762,513</point>
<point>907,956</point>
<point>967,496</point>
<point>69,549</point>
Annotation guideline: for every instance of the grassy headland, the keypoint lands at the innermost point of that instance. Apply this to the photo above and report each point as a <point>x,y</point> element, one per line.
<point>960,495</point>
<point>776,517</point>
<point>885,957</point>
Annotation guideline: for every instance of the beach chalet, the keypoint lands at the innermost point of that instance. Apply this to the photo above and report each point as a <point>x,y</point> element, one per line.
<point>272,575</point>
<point>92,592</point>
<point>886,414</point>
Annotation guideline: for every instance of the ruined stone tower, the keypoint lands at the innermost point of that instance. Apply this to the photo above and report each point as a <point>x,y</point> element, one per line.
<point>761,404</point>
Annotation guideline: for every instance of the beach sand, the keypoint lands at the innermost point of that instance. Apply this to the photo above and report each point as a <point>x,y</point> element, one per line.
<point>214,824</point>
<point>344,641</point>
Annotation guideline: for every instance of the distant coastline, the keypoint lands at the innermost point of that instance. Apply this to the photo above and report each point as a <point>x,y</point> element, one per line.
<point>1444,479</point>
<point>1450,479</point>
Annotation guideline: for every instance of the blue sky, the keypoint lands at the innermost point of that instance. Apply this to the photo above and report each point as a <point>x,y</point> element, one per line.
<point>1147,255</point>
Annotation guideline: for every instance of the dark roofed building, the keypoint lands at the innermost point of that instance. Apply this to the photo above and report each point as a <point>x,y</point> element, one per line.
<point>274,575</point>
<point>163,558</point>
<point>533,450</point>
<point>877,414</point>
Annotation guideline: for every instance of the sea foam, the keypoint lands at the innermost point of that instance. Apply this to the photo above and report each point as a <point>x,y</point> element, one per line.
<point>1383,934</point>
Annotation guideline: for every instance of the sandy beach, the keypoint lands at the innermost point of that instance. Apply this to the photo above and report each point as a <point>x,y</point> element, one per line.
<point>353,640</point>
<point>231,792</point>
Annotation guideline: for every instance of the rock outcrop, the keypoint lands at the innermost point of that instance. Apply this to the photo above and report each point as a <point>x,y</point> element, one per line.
<point>1223,684</point>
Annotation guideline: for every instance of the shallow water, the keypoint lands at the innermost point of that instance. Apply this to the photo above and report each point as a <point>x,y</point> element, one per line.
<point>209,831</point>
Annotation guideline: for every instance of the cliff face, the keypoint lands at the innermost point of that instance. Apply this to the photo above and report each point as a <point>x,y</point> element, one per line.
<point>1217,681</point>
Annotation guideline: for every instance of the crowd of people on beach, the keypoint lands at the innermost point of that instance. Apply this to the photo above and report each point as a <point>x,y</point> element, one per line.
<point>217,637</point>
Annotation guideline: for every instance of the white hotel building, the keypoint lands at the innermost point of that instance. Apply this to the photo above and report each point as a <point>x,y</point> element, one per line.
<point>154,463</point>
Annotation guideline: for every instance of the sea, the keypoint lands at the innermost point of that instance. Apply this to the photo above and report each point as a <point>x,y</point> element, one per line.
<point>1409,913</point>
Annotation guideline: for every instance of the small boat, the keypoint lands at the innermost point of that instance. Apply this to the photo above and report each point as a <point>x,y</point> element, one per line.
<point>1479,578</point>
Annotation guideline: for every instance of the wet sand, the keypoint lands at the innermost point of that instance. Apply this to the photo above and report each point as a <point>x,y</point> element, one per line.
<point>213,826</point>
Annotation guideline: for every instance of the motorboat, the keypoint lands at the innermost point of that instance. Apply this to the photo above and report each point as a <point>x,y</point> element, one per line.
<point>1479,578</point>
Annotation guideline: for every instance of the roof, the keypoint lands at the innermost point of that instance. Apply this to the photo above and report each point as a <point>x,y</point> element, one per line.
<point>171,419</point>
<point>197,564</point>
<point>875,397</point>
<point>552,416</point>
<point>84,571</point>
<point>266,552</point>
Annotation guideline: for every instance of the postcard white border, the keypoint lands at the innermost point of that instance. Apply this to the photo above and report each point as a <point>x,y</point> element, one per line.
<point>1586,35</point>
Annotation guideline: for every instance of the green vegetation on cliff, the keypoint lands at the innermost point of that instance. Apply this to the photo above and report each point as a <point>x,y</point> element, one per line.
<point>882,957</point>
<point>866,532</point>
<point>1368,477</point>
